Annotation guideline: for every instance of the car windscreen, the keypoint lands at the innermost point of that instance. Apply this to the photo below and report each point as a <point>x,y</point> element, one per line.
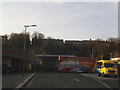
<point>109,65</point>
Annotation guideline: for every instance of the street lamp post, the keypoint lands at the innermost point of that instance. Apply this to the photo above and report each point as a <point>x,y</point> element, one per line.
<point>25,26</point>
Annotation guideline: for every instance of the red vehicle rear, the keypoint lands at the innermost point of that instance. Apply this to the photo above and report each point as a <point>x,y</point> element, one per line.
<point>68,64</point>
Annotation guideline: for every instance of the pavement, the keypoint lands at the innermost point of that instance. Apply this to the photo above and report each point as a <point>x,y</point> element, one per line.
<point>15,80</point>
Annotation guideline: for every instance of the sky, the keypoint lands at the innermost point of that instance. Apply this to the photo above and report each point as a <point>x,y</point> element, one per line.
<point>62,20</point>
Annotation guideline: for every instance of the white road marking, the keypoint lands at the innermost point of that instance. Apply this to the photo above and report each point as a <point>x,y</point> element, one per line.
<point>103,83</point>
<point>76,79</point>
<point>98,77</point>
<point>97,80</point>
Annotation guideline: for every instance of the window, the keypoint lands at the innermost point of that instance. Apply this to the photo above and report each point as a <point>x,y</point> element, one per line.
<point>99,64</point>
<point>109,65</point>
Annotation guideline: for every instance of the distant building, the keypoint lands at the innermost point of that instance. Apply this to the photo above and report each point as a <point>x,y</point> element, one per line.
<point>84,42</point>
<point>56,41</point>
<point>4,38</point>
<point>47,41</point>
<point>75,42</point>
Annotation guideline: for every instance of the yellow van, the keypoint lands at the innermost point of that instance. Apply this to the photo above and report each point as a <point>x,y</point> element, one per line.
<point>106,68</point>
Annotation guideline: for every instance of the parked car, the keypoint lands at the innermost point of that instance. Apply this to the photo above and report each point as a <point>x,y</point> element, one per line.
<point>82,69</point>
<point>78,70</point>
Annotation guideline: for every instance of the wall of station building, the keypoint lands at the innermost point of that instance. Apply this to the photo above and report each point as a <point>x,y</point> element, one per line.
<point>47,63</point>
<point>15,64</point>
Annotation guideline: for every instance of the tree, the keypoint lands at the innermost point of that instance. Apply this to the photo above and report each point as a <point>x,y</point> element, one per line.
<point>17,40</point>
<point>38,42</point>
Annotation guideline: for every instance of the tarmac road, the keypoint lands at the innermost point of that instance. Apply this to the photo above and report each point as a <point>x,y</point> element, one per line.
<point>68,80</point>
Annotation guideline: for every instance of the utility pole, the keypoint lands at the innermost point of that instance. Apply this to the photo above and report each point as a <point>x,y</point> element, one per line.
<point>25,26</point>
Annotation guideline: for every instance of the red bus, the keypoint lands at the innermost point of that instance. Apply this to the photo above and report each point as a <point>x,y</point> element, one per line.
<point>73,63</point>
<point>67,63</point>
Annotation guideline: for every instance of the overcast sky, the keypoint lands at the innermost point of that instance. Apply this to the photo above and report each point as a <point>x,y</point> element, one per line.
<point>64,20</point>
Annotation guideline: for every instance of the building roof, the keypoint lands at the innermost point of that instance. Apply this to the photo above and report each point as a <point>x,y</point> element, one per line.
<point>54,55</point>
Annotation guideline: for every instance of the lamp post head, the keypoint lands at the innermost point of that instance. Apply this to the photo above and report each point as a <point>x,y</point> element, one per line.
<point>33,25</point>
<point>30,25</point>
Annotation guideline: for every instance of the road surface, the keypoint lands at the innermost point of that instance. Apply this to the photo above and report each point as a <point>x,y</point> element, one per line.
<point>69,80</point>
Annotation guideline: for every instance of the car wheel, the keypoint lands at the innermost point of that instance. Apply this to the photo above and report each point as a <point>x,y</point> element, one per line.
<point>103,74</point>
<point>99,74</point>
